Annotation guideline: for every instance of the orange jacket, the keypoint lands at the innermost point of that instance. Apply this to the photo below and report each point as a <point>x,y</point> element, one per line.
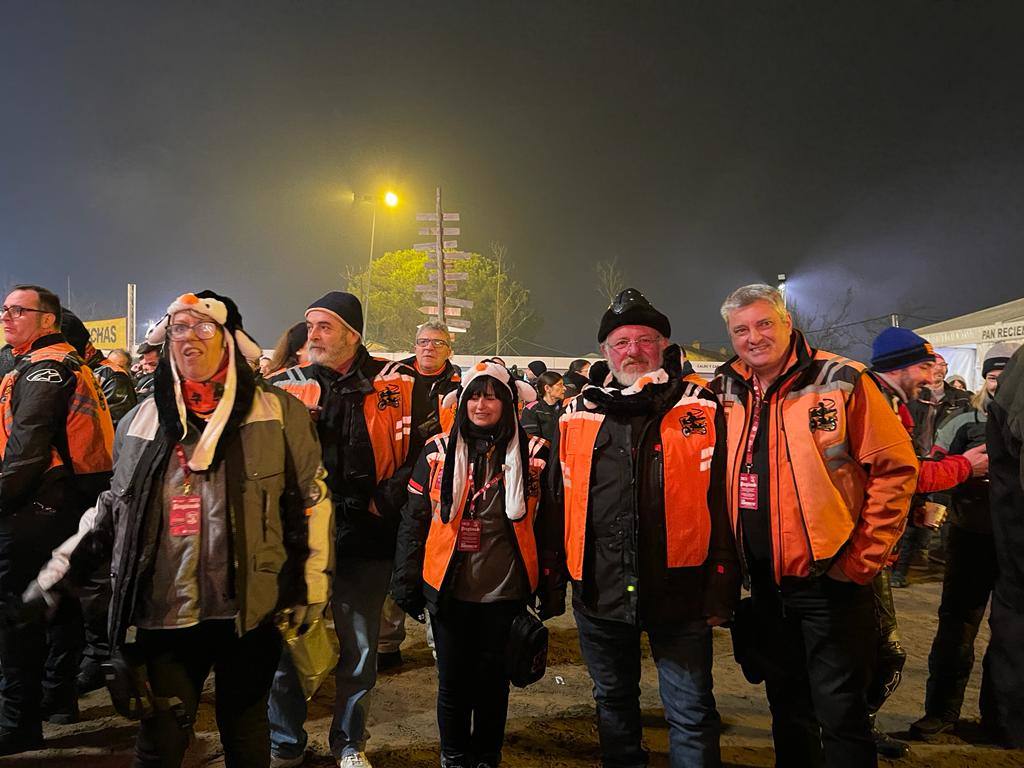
<point>846,466</point>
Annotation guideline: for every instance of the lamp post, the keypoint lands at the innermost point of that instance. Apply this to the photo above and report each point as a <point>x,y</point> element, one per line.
<point>390,199</point>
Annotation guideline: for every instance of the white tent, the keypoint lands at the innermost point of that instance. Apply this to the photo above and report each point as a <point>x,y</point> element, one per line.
<point>964,340</point>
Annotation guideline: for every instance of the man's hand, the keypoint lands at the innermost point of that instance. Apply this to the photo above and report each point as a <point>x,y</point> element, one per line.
<point>978,456</point>
<point>300,617</point>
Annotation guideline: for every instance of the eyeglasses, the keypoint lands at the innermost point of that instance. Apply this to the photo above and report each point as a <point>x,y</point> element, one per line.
<point>15,311</point>
<point>202,331</point>
<point>435,343</point>
<point>644,341</point>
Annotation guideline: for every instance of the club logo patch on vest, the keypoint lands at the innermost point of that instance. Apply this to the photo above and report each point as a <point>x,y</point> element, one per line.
<point>388,398</point>
<point>823,416</point>
<point>694,422</point>
<point>46,375</point>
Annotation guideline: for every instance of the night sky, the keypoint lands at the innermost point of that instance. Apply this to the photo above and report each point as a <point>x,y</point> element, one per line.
<point>211,145</point>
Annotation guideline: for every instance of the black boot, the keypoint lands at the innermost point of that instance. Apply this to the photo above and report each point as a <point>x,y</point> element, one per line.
<point>931,725</point>
<point>886,745</point>
<point>90,677</point>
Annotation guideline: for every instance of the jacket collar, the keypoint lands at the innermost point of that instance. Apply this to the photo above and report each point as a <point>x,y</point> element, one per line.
<point>44,341</point>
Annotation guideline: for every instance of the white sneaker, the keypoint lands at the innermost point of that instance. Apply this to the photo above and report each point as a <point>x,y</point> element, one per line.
<point>355,760</point>
<point>286,762</point>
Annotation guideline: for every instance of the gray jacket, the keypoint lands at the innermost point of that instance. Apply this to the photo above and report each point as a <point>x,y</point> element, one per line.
<point>279,510</point>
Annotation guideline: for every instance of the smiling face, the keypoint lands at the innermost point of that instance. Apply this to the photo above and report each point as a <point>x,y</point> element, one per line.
<point>914,378</point>
<point>484,407</point>
<point>632,351</point>
<point>760,336</point>
<point>196,359</point>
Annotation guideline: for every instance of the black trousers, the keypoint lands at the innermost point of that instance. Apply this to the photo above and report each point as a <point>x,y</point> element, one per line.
<point>1002,689</point>
<point>818,639</point>
<point>31,653</point>
<point>178,661</point>
<point>473,686</point>
<point>95,600</point>
<point>966,588</point>
<point>890,657</point>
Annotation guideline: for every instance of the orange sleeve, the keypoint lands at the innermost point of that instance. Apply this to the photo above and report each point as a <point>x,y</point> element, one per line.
<point>880,444</point>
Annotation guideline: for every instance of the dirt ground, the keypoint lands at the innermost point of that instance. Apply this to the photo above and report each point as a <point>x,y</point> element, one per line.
<point>551,723</point>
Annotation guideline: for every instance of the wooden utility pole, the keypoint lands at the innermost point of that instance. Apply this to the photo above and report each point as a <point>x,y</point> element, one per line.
<point>439,257</point>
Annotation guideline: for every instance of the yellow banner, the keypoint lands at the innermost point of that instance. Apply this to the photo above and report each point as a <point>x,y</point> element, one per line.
<point>108,334</point>
<point>105,334</point>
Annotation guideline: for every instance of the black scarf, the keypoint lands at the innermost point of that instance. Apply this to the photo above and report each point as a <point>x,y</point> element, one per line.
<point>652,398</point>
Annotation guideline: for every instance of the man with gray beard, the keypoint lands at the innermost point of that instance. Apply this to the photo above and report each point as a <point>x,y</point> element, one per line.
<point>644,534</point>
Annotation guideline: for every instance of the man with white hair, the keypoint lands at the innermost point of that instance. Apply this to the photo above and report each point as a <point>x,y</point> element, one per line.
<point>821,473</point>
<point>644,534</point>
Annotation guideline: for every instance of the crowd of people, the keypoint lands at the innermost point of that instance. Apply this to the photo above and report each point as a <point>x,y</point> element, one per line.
<point>173,517</point>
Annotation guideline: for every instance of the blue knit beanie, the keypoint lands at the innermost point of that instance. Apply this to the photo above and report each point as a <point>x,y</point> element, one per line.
<point>897,348</point>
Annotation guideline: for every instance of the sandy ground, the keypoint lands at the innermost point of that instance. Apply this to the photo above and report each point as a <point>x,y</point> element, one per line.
<point>551,723</point>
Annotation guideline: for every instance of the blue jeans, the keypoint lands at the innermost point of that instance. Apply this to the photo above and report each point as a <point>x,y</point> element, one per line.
<point>360,586</point>
<point>682,655</point>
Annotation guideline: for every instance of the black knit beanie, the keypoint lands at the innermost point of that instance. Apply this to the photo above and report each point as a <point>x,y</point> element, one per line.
<point>342,305</point>
<point>632,308</point>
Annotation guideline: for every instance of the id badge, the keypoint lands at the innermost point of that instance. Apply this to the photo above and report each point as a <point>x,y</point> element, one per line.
<point>748,490</point>
<point>186,513</point>
<point>469,535</point>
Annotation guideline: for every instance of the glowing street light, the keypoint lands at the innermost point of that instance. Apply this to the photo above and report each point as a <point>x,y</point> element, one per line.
<point>390,199</point>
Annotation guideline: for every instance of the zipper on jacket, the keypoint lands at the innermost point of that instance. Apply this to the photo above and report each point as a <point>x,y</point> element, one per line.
<point>796,486</point>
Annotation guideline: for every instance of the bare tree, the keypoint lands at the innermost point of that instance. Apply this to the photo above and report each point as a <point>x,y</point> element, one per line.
<point>511,301</point>
<point>611,279</point>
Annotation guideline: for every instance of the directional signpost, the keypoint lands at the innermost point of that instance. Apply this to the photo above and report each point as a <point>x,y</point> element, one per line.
<point>442,255</point>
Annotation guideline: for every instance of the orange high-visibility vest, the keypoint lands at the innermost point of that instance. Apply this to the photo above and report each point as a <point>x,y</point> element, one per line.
<point>687,445</point>
<point>442,537</point>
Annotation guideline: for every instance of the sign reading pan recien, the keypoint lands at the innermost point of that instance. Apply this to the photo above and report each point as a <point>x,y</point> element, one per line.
<point>1001,332</point>
<point>108,334</point>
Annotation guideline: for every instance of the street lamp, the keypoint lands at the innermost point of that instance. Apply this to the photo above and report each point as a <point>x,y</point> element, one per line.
<point>782,286</point>
<point>390,199</point>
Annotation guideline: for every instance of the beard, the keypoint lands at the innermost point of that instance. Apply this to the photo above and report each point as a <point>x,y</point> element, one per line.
<point>630,377</point>
<point>330,357</point>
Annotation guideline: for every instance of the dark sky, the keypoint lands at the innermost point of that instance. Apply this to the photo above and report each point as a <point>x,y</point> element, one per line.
<point>187,145</point>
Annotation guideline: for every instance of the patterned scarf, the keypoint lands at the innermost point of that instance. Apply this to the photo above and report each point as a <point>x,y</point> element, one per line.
<point>202,397</point>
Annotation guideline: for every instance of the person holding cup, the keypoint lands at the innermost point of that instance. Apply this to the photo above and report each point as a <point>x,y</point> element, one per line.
<point>902,364</point>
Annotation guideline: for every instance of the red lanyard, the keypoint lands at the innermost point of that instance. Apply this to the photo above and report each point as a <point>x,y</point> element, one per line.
<point>183,463</point>
<point>487,486</point>
<point>755,424</point>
